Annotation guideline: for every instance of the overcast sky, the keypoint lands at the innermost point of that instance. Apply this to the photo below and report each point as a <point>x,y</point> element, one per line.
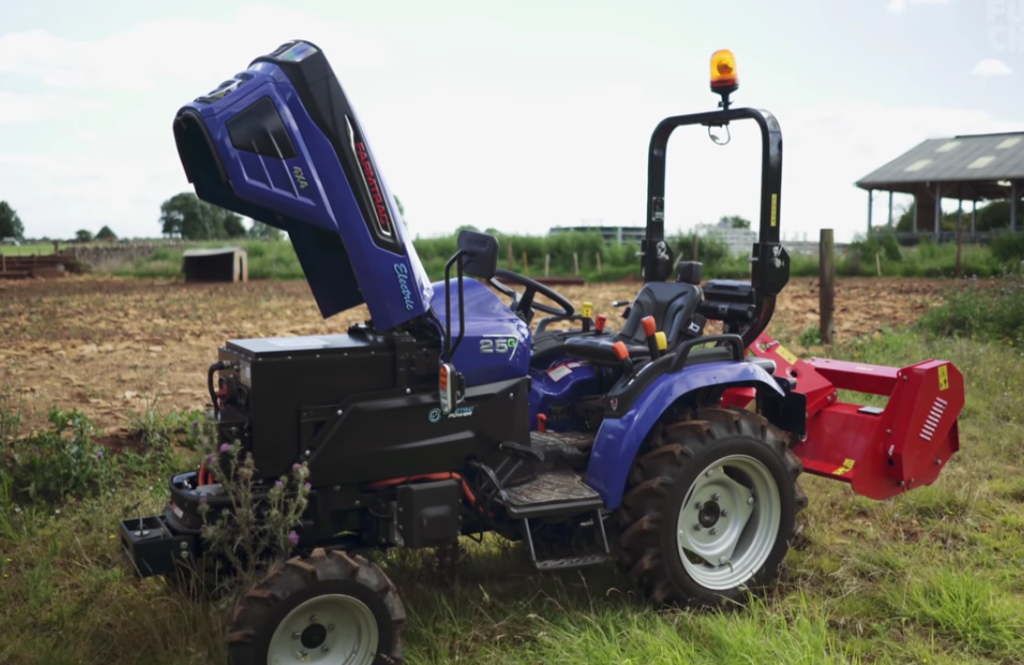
<point>517,115</point>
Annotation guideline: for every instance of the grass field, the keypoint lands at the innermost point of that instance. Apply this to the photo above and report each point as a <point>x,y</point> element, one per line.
<point>39,248</point>
<point>931,577</point>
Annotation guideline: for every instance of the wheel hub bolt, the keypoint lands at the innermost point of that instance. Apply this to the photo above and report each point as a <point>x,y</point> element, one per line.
<point>750,501</point>
<point>303,655</point>
<point>722,561</point>
<point>324,648</point>
<point>296,636</point>
<point>716,496</point>
<point>725,513</point>
<point>700,506</point>
<point>312,619</point>
<point>330,627</point>
<point>710,471</point>
<point>713,531</point>
<point>696,527</point>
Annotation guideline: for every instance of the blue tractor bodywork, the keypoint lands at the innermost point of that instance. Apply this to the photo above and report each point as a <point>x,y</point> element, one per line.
<point>280,143</point>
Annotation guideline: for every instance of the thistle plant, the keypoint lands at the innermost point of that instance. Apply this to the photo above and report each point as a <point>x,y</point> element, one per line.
<point>259,527</point>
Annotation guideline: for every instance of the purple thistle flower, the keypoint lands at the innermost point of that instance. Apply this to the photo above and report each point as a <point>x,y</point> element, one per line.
<point>277,483</point>
<point>211,458</point>
<point>295,467</point>
<point>293,538</point>
<point>224,447</point>
<point>309,486</point>
<point>195,423</point>
<point>99,453</point>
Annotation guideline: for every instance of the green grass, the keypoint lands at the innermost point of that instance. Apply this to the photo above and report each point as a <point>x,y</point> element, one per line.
<point>27,250</point>
<point>930,577</point>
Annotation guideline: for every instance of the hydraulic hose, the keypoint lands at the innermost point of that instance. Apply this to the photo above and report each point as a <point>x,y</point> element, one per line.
<point>214,368</point>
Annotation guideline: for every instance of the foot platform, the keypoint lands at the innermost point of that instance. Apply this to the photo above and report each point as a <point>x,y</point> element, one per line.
<point>551,494</point>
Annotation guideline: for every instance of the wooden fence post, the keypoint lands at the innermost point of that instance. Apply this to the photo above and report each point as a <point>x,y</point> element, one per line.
<point>575,264</point>
<point>547,264</point>
<point>598,256</point>
<point>511,256</point>
<point>526,268</point>
<point>826,285</point>
<point>696,246</point>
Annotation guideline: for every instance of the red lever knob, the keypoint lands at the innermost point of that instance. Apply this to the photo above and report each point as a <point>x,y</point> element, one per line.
<point>599,322</point>
<point>650,326</point>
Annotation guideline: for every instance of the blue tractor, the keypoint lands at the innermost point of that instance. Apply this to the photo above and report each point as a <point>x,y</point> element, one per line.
<point>451,412</point>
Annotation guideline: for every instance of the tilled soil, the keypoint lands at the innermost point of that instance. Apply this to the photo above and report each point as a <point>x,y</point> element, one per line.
<point>112,347</point>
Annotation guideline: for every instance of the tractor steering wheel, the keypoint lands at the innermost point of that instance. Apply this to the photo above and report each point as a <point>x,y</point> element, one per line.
<point>524,306</point>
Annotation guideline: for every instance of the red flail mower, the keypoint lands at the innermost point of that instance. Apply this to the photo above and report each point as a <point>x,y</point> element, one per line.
<point>879,451</point>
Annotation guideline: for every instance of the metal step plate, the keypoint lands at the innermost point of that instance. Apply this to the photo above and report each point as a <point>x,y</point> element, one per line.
<point>551,488</point>
<point>572,562</point>
<point>543,440</point>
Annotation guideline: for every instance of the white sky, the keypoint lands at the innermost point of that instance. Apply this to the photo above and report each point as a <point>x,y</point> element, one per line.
<point>517,115</point>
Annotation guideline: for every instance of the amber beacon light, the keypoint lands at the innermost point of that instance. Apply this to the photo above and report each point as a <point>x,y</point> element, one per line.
<point>723,72</point>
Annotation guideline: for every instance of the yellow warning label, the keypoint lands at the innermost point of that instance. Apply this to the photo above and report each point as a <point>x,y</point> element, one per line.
<point>845,468</point>
<point>786,354</point>
<point>775,210</point>
<point>587,310</point>
<point>943,377</point>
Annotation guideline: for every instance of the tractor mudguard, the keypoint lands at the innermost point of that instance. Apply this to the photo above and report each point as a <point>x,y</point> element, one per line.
<point>619,439</point>
<point>280,143</point>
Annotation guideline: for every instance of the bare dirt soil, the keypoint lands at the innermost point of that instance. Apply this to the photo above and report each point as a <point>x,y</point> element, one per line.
<point>113,347</point>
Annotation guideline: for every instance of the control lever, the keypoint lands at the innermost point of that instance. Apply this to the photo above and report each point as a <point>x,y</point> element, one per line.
<point>622,352</point>
<point>599,323</point>
<point>651,331</point>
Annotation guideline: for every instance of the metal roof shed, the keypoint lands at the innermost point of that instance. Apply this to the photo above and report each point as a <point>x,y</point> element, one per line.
<point>975,167</point>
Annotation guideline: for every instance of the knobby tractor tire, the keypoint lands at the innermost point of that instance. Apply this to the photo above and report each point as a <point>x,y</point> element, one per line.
<point>672,462</point>
<point>338,583</point>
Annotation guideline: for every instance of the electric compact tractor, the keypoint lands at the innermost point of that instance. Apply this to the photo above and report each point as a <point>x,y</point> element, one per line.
<point>451,412</point>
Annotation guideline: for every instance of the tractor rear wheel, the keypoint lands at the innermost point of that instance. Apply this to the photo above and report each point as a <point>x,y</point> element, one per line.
<point>328,608</point>
<point>710,508</point>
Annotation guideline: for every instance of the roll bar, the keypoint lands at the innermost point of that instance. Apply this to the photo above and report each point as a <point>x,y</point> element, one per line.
<point>769,261</point>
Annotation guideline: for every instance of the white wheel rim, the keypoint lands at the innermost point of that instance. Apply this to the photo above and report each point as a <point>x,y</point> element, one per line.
<point>729,522</point>
<point>332,629</point>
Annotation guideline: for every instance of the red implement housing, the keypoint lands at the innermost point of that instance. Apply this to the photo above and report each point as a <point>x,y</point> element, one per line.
<point>880,452</point>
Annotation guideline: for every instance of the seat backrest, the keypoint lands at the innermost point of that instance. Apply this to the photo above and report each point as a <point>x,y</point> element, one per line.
<point>672,304</point>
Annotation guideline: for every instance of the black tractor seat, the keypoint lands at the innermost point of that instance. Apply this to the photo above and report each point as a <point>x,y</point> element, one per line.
<point>674,308</point>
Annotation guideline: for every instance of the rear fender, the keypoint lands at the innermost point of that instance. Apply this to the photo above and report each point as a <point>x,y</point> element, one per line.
<point>619,439</point>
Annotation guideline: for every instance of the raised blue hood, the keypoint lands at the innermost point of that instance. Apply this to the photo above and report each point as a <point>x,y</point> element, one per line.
<point>280,143</point>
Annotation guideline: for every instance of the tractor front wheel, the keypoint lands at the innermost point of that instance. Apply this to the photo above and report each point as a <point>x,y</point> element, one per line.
<point>710,508</point>
<point>328,608</point>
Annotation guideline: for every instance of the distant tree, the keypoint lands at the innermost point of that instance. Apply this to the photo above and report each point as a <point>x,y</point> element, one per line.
<point>106,234</point>
<point>734,222</point>
<point>233,226</point>
<point>83,235</point>
<point>186,216</point>
<point>10,223</point>
<point>265,231</point>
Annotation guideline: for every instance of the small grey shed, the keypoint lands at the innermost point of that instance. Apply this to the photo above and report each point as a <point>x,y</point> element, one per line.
<point>225,264</point>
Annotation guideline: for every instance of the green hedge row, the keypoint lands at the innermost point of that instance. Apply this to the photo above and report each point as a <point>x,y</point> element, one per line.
<point>277,260</point>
